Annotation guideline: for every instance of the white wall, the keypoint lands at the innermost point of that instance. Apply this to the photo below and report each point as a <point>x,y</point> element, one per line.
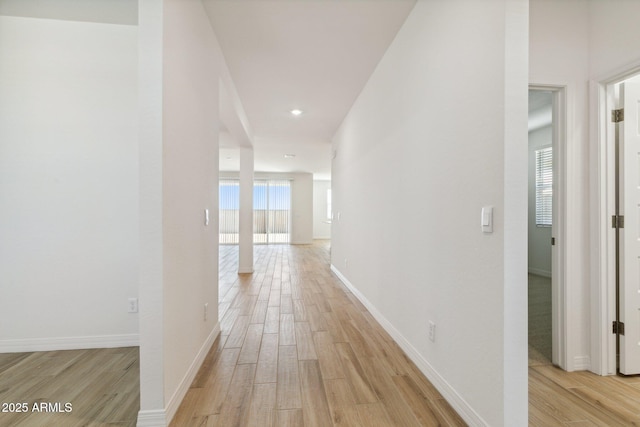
<point>321,229</point>
<point>182,67</point>
<point>539,237</point>
<point>613,37</point>
<point>302,208</point>
<point>301,202</point>
<point>559,55</point>
<point>193,64</point>
<point>423,149</point>
<point>68,184</point>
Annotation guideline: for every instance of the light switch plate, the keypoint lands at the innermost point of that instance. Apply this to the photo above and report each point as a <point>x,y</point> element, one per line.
<point>486,220</point>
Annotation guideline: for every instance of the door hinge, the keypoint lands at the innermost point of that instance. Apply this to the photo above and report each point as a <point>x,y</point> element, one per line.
<point>617,115</point>
<point>618,327</point>
<point>553,241</point>
<point>617,221</point>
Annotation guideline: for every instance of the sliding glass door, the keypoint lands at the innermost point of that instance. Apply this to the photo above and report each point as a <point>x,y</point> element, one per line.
<point>229,205</point>
<point>271,211</point>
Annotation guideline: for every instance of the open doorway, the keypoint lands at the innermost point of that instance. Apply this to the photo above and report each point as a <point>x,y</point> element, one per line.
<point>548,308</point>
<point>540,223</point>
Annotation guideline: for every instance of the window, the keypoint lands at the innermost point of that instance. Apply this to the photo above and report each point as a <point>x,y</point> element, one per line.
<point>271,211</point>
<point>229,202</point>
<point>544,186</point>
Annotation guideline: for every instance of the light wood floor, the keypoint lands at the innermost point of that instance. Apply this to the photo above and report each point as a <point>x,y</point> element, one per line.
<point>539,298</point>
<point>102,387</point>
<point>298,349</point>
<point>571,399</point>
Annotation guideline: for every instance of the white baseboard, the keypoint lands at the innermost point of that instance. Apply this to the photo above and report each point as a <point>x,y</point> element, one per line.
<point>152,419</point>
<point>581,363</point>
<point>68,343</point>
<point>539,272</point>
<point>447,391</point>
<point>183,387</point>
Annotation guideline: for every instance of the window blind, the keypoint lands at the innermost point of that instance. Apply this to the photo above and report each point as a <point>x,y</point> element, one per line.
<point>544,187</point>
<point>229,204</point>
<point>272,211</point>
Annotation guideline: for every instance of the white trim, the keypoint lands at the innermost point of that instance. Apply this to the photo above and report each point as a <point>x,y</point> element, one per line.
<point>183,387</point>
<point>539,272</point>
<point>68,343</point>
<point>582,363</point>
<point>156,418</point>
<point>447,391</point>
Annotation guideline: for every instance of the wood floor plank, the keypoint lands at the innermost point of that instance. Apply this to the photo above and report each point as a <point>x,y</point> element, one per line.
<point>304,342</point>
<point>342,403</point>
<point>330,362</point>
<point>355,375</point>
<point>235,411</point>
<point>450,416</point>
<point>288,394</point>
<point>374,415</point>
<point>315,408</point>
<point>209,362</point>
<point>420,404</point>
<point>299,312</point>
<point>251,346</point>
<point>215,390</point>
<point>287,329</point>
<point>286,304</point>
<point>272,321</point>
<point>397,408</point>
<point>274,297</point>
<point>188,408</point>
<point>316,319</point>
<point>289,418</point>
<point>259,312</point>
<point>238,332</point>
<point>267,369</point>
<point>347,417</point>
<point>263,406</point>
<point>335,329</point>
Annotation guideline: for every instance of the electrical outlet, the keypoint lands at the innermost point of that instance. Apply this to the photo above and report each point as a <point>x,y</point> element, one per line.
<point>432,331</point>
<point>346,262</point>
<point>206,311</point>
<point>133,305</point>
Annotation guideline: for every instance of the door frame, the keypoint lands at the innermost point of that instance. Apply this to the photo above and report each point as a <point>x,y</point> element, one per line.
<point>559,308</point>
<point>603,271</point>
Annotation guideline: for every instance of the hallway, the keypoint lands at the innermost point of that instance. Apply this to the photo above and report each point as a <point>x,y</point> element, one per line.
<point>297,348</point>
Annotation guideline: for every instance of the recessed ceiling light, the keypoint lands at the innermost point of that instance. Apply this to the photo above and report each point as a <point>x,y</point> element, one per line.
<point>296,112</point>
<point>289,156</point>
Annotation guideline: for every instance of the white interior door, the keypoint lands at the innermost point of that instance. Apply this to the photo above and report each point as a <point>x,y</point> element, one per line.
<point>629,137</point>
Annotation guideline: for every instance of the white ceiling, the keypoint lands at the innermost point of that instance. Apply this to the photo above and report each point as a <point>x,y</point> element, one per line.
<point>315,55</point>
<point>124,12</point>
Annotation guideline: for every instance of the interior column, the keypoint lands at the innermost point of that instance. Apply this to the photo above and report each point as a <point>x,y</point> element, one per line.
<point>245,259</point>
